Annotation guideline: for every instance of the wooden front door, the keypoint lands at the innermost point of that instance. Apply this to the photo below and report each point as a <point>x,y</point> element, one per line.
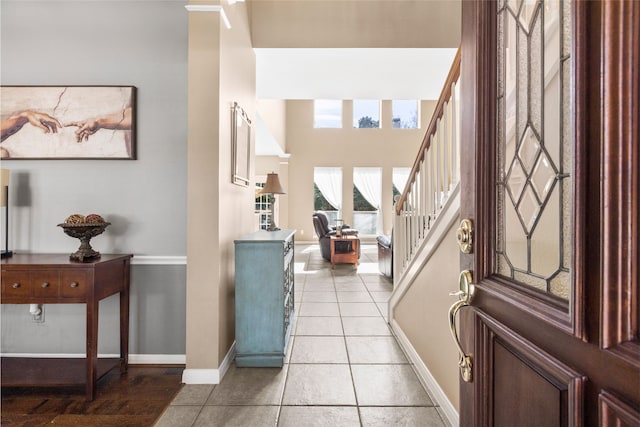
<point>549,176</point>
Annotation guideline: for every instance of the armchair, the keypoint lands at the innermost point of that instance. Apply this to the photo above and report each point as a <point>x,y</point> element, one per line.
<point>324,233</point>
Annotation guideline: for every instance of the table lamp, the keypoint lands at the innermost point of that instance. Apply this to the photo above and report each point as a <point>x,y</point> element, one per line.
<point>272,187</point>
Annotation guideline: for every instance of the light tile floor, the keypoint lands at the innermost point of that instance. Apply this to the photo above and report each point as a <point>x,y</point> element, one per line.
<point>344,367</point>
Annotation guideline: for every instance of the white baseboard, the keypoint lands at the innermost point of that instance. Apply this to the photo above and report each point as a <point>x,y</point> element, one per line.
<point>210,376</point>
<point>426,378</point>
<point>157,359</point>
<point>135,359</point>
<point>201,376</point>
<point>159,260</point>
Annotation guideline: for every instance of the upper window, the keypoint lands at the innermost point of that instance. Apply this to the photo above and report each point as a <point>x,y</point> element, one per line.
<point>405,114</point>
<point>366,113</point>
<point>327,113</point>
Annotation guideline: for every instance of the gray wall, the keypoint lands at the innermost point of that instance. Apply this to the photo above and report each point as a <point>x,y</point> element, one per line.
<point>132,43</point>
<point>157,316</point>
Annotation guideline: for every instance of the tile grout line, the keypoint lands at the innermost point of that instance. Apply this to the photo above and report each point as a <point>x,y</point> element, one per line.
<point>292,339</point>
<point>346,348</point>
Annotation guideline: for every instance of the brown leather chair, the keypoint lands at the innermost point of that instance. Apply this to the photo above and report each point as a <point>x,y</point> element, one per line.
<point>324,233</point>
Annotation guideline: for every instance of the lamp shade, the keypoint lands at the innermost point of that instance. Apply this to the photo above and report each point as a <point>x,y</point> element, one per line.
<point>272,186</point>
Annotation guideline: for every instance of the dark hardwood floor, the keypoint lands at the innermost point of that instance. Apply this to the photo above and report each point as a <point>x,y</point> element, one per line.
<point>136,398</point>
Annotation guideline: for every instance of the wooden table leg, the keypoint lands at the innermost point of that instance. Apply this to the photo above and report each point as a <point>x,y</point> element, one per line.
<point>332,245</point>
<point>124,322</point>
<point>92,347</point>
<point>356,248</point>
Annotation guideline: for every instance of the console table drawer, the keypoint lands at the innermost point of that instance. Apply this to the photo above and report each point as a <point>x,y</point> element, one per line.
<point>41,283</point>
<point>15,284</point>
<point>73,284</point>
<point>45,284</point>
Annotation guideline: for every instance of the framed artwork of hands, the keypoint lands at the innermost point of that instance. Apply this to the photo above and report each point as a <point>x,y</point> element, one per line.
<point>68,122</point>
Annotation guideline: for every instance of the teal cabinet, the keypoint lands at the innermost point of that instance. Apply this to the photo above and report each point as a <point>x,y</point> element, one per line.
<point>264,297</point>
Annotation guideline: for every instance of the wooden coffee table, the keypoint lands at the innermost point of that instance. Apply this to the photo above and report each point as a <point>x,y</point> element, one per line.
<point>350,257</point>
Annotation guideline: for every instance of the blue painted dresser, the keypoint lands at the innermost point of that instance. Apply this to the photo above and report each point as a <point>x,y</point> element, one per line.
<point>264,297</point>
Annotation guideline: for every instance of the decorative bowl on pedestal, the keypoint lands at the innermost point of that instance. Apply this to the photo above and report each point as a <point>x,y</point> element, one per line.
<point>84,232</point>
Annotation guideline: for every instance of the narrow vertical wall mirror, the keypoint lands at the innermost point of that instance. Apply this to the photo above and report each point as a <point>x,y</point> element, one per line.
<point>240,145</point>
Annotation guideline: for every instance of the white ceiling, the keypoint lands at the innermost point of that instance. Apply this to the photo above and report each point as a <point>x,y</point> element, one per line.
<point>329,73</point>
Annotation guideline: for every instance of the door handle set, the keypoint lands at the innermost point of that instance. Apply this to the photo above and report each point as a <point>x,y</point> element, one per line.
<point>465,295</point>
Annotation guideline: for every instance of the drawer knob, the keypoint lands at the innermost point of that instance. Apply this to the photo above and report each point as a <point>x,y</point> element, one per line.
<point>15,285</point>
<point>73,284</point>
<point>45,285</point>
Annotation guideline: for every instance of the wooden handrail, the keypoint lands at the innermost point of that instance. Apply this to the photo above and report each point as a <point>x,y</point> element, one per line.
<point>445,95</point>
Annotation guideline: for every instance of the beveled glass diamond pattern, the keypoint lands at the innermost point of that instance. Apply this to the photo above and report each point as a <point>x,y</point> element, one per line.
<point>515,245</point>
<point>528,208</point>
<point>516,180</point>
<point>542,177</point>
<point>528,150</point>
<point>534,203</point>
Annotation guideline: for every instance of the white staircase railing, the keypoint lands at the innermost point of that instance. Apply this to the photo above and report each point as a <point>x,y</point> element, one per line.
<point>434,175</point>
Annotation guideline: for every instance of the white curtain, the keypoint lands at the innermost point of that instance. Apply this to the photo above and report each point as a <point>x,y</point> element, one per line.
<point>368,181</point>
<point>400,177</point>
<point>329,182</point>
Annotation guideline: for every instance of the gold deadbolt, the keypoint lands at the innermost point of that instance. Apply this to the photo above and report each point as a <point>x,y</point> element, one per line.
<point>464,236</point>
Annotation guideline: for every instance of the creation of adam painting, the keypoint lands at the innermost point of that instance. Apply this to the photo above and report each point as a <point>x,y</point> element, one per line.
<point>67,122</point>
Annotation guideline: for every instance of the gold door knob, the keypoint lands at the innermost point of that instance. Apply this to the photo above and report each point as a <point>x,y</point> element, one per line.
<point>464,236</point>
<point>73,284</point>
<point>465,294</point>
<point>45,285</point>
<point>15,285</point>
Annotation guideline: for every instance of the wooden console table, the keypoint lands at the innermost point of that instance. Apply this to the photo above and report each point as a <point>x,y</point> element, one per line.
<point>54,279</point>
<point>351,256</point>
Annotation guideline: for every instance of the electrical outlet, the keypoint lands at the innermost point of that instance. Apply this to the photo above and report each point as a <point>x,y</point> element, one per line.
<point>39,317</point>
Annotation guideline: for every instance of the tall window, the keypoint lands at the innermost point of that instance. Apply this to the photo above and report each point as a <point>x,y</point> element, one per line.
<point>366,113</point>
<point>399,178</point>
<point>405,114</point>
<point>327,113</point>
<point>327,194</point>
<point>263,208</point>
<point>367,196</point>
